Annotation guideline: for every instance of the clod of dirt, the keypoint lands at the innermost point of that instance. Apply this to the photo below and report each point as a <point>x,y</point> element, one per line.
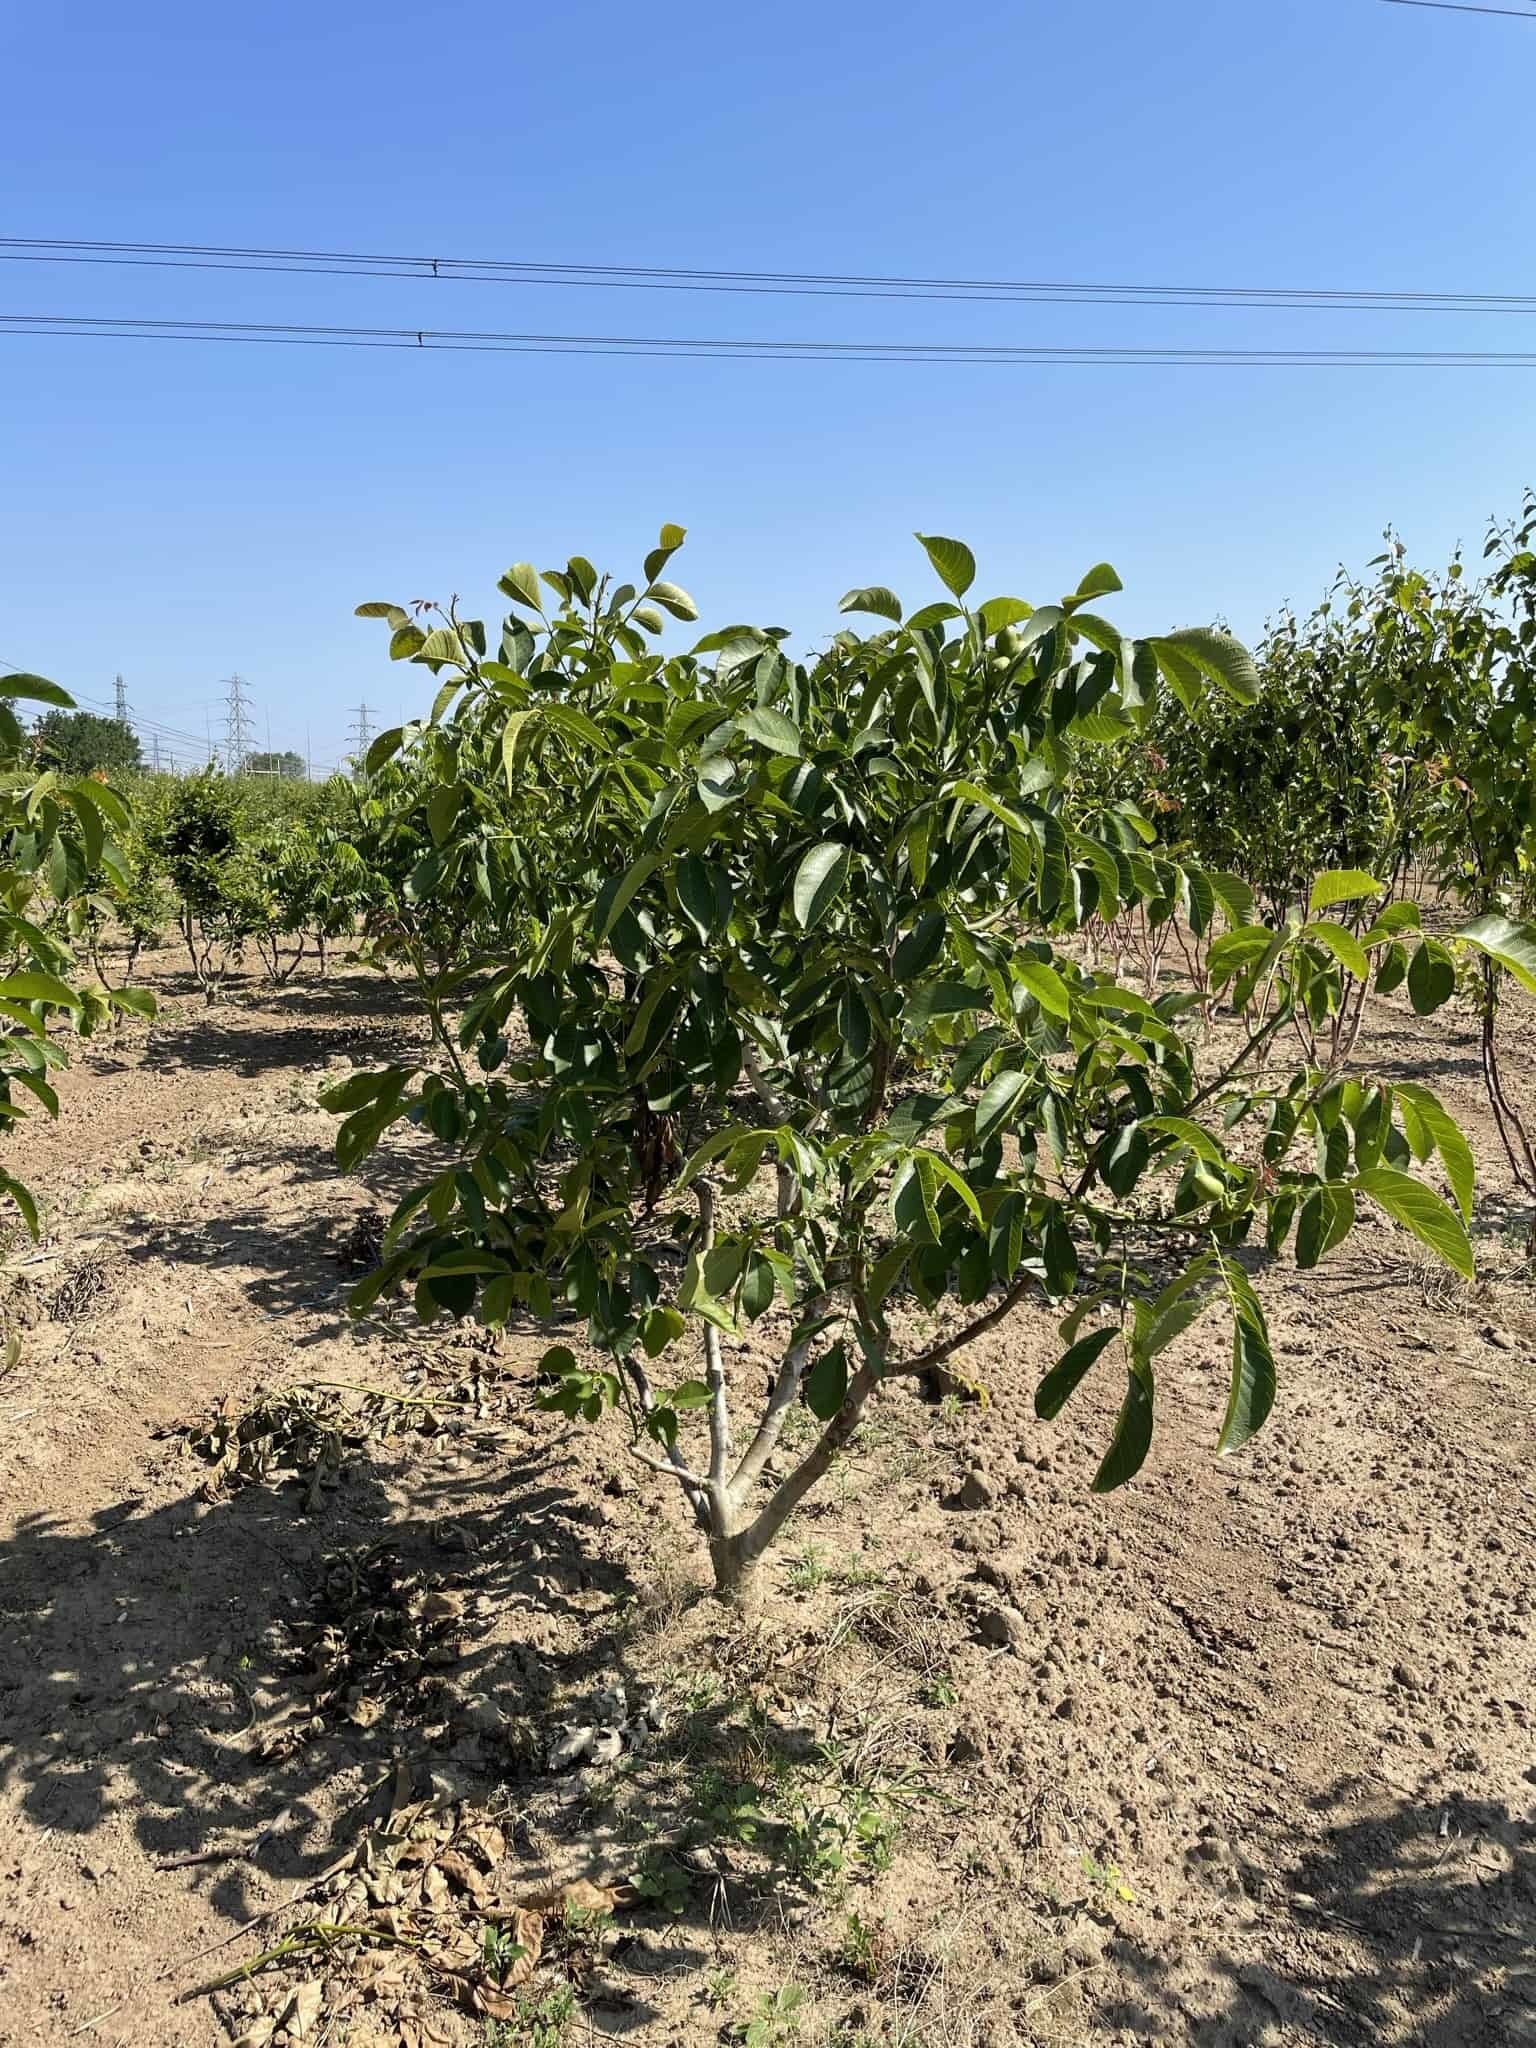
<point>1006,1627</point>
<point>975,1491</point>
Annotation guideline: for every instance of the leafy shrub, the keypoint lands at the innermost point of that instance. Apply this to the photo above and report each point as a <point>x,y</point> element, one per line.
<point>56,834</point>
<point>766,1012</point>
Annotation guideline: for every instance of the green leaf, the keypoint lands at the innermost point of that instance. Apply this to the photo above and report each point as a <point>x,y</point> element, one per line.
<point>362,1130</point>
<point>819,882</point>
<point>1065,1376</point>
<point>757,1286</point>
<point>521,584</point>
<point>670,540</point>
<point>691,1394</point>
<point>1133,1430</point>
<point>999,612</point>
<point>1431,977</point>
<point>1342,944</point>
<point>704,891</point>
<point>1100,581</point>
<point>1419,1209</point>
<point>953,560</point>
<point>1198,1139</point>
<point>1512,945</point>
<point>773,730</point>
<point>443,810</point>
<point>1238,949</point>
<point>1044,984</point>
<point>676,601</point>
<point>872,597</point>
<point>943,999</point>
<point>1252,1392</point>
<point>21,1195</point>
<point>997,1103</point>
<point>930,615</point>
<point>32,987</point>
<point>661,1327</point>
<point>954,1179</point>
<point>624,893</point>
<point>718,1144</point>
<point>355,1090</point>
<point>1234,896</point>
<point>441,645</point>
<point>721,1268</point>
<point>1450,1143</point>
<point>382,748</point>
<point>1123,1159</point>
<point>1402,916</point>
<point>914,1198</point>
<point>36,690</point>
<point>1341,885</point>
<point>1326,1217</point>
<point>919,948</point>
<point>826,1384</point>
<point>1216,654</point>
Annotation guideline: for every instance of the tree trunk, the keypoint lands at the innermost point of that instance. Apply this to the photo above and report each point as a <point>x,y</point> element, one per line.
<point>737,1576</point>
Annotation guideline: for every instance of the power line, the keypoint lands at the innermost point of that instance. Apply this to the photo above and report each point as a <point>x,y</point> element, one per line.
<point>429,341</point>
<point>1467,7</point>
<point>170,732</point>
<point>814,284</point>
<point>189,747</point>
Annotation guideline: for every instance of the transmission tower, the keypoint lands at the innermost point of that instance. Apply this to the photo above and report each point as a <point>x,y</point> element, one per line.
<point>154,751</point>
<point>362,733</point>
<point>120,701</point>
<point>237,725</point>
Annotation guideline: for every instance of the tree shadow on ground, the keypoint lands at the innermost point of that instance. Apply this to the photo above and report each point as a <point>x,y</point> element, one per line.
<point>1416,1922</point>
<point>149,1657</point>
<point>229,1038</point>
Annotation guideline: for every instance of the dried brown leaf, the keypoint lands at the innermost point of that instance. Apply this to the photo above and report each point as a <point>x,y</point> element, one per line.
<point>462,1872</point>
<point>584,1896</point>
<point>303,2007</point>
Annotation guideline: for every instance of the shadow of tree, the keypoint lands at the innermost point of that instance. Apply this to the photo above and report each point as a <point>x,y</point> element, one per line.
<point>146,1656</point>
<point>227,1038</point>
<point>1404,1921</point>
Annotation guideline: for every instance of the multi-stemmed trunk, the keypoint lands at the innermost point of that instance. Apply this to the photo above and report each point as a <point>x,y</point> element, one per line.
<point>738,1521</point>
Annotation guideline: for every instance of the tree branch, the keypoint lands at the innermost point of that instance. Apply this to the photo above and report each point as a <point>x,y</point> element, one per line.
<point>946,1347</point>
<point>780,1401</point>
<point>696,1488</point>
<point>714,1364</point>
<point>760,1532</point>
<point>690,1481</point>
<point>762,1087</point>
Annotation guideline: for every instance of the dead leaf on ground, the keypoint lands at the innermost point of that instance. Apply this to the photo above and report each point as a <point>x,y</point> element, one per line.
<point>303,2007</point>
<point>582,1896</point>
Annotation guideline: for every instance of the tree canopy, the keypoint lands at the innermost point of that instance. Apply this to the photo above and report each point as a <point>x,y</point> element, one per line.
<point>82,742</point>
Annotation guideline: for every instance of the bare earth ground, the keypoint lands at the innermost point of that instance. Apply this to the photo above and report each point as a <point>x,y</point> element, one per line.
<point>1242,1754</point>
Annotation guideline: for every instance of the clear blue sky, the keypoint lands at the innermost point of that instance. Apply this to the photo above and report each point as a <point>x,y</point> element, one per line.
<point>177,511</point>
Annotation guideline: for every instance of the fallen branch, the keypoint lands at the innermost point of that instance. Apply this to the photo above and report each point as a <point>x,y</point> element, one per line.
<point>318,1934</point>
